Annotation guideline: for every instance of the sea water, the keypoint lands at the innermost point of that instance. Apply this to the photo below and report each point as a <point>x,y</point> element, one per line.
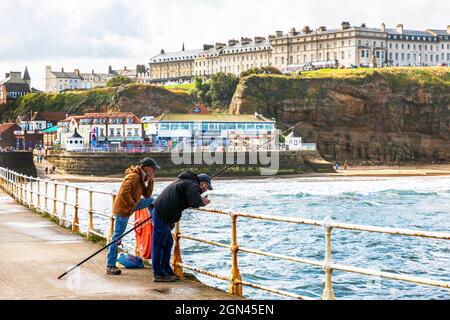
<point>419,203</point>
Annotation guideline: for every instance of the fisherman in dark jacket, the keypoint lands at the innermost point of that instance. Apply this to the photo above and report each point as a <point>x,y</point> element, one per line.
<point>186,192</point>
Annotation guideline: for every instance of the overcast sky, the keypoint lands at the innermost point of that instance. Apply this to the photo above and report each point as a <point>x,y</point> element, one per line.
<point>92,34</point>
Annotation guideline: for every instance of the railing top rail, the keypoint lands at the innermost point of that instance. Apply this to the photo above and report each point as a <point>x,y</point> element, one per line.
<point>330,224</point>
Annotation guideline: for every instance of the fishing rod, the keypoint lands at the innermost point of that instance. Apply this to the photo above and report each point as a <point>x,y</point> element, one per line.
<point>150,218</point>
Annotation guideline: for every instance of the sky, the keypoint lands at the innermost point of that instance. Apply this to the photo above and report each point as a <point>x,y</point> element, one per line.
<point>93,34</point>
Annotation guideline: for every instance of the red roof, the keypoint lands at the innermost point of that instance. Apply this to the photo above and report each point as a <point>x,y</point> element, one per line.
<point>6,126</point>
<point>112,115</point>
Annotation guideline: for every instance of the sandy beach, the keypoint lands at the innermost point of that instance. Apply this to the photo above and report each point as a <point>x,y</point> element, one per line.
<point>356,171</point>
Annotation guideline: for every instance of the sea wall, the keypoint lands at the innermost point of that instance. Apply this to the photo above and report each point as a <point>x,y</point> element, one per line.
<point>104,164</point>
<point>21,162</point>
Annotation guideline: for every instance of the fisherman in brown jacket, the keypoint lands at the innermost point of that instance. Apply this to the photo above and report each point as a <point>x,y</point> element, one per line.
<point>138,182</point>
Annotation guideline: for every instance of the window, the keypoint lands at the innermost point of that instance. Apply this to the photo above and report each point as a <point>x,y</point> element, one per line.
<point>129,132</point>
<point>111,132</point>
<point>165,126</point>
<point>136,132</point>
<point>119,132</point>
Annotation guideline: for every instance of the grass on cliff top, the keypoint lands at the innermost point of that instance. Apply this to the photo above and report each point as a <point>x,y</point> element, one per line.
<point>181,87</point>
<point>438,76</point>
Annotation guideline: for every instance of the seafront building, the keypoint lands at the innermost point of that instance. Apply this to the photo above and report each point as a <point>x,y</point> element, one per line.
<point>344,47</point>
<point>14,86</point>
<point>101,128</point>
<point>211,132</point>
<point>57,81</point>
<point>32,126</point>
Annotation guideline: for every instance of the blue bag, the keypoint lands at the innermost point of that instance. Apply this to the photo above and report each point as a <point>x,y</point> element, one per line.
<point>130,262</point>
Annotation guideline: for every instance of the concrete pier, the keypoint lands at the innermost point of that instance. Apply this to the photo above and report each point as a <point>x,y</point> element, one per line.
<point>34,251</point>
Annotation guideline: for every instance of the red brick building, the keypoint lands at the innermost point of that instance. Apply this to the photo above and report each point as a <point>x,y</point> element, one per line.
<point>7,138</point>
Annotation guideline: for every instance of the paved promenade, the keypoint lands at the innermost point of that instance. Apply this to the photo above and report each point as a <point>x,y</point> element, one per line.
<point>34,251</point>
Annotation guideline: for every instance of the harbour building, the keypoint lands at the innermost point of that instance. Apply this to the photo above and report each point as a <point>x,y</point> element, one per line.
<point>211,132</point>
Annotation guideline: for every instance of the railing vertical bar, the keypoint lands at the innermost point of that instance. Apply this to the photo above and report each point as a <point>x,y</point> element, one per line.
<point>75,224</point>
<point>91,214</point>
<point>234,286</point>
<point>328,293</point>
<point>55,200</point>
<point>177,260</point>
<point>62,221</point>
<point>111,219</point>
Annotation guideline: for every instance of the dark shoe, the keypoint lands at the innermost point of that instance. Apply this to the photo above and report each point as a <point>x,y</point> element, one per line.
<point>173,275</point>
<point>113,271</point>
<point>165,279</point>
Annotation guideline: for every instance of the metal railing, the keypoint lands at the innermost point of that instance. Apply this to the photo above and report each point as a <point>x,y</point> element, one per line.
<point>26,189</point>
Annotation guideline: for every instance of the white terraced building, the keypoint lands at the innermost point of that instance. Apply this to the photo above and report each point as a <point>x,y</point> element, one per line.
<point>418,48</point>
<point>57,81</point>
<point>347,46</point>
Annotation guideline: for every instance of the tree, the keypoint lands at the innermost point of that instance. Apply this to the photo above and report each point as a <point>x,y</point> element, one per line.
<point>202,91</point>
<point>140,68</point>
<point>118,81</point>
<point>222,88</point>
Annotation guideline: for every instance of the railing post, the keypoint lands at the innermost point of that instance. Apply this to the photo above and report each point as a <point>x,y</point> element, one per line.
<point>75,226</point>
<point>21,190</point>
<point>55,200</point>
<point>62,221</point>
<point>176,260</point>
<point>234,286</point>
<point>38,206</point>
<point>31,194</point>
<point>91,213</point>
<point>328,293</point>
<point>111,220</point>
<point>46,197</point>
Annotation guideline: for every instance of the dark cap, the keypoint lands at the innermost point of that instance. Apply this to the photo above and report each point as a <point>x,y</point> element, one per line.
<point>205,178</point>
<point>149,162</point>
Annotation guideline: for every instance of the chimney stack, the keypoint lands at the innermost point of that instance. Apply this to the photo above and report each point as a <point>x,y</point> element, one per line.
<point>322,28</point>
<point>62,69</point>
<point>345,25</point>
<point>6,75</point>
<point>383,27</point>
<point>279,33</point>
<point>232,42</point>
<point>206,47</point>
<point>292,32</point>
<point>245,40</point>
<point>400,28</point>
<point>220,45</point>
<point>162,51</point>
<point>259,39</point>
<point>448,29</point>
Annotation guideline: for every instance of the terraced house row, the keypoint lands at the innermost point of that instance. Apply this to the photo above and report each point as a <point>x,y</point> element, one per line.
<point>343,47</point>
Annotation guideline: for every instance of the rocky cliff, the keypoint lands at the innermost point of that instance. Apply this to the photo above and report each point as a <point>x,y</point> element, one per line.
<point>139,99</point>
<point>362,115</point>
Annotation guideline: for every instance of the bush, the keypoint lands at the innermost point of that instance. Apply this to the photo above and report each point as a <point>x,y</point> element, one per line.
<point>118,81</point>
<point>262,70</point>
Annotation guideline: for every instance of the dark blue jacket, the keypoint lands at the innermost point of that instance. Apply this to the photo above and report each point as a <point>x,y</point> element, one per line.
<point>182,194</point>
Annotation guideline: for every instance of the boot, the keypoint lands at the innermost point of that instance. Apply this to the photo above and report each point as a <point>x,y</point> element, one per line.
<point>113,271</point>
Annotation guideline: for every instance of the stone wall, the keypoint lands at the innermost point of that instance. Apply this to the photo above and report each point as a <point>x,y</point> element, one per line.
<point>21,162</point>
<point>104,164</point>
